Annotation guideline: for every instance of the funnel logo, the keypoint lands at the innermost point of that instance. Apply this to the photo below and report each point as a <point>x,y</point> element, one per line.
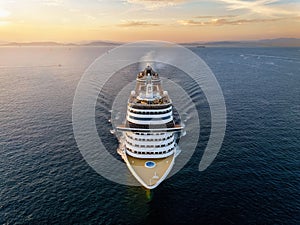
<point>102,72</point>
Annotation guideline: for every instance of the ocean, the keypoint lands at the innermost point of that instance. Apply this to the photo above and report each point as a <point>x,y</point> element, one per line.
<point>255,178</point>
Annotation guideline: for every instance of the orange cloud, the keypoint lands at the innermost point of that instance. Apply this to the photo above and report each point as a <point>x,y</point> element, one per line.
<point>208,17</point>
<point>155,4</point>
<point>137,23</point>
<point>222,21</point>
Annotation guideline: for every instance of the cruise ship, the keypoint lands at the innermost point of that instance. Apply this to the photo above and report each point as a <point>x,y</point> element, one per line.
<point>150,135</point>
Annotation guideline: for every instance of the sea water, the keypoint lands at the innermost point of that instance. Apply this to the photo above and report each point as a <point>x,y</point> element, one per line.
<point>255,178</point>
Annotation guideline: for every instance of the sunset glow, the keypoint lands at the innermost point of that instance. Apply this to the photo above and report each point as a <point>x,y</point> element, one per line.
<point>131,20</point>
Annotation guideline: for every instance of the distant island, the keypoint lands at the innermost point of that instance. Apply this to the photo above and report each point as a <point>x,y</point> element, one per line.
<point>50,43</point>
<point>278,42</point>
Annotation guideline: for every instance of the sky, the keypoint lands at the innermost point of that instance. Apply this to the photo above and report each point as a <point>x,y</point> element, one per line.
<point>133,20</point>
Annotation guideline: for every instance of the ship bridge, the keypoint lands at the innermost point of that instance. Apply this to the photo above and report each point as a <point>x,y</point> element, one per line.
<point>148,90</point>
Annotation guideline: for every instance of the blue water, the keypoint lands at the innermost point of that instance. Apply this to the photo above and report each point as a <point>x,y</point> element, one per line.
<point>255,178</point>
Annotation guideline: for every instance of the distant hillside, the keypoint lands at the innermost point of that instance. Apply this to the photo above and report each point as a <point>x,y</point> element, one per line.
<point>50,43</point>
<point>279,42</point>
<point>101,43</point>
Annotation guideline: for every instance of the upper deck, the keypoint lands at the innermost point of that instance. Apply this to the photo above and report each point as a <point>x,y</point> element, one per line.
<point>148,91</point>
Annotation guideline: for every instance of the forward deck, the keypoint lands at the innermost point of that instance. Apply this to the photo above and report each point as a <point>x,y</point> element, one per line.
<point>150,177</point>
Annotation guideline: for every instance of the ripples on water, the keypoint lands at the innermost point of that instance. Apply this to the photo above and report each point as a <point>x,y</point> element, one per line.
<point>255,178</point>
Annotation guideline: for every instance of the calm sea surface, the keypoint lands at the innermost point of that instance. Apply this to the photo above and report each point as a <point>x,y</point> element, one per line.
<point>255,178</point>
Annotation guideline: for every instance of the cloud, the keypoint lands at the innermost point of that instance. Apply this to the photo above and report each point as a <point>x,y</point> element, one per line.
<point>264,7</point>
<point>137,23</point>
<point>221,22</point>
<point>52,2</point>
<point>3,16</point>
<point>155,4</point>
<point>4,13</point>
<point>264,10</point>
<point>212,17</point>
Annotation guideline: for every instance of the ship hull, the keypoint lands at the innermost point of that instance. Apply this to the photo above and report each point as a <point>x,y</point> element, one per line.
<point>149,133</point>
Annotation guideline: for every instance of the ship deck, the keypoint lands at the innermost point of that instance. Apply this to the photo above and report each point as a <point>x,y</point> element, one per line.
<point>150,177</point>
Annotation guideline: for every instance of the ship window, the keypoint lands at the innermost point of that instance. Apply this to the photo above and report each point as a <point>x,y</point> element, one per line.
<point>148,119</point>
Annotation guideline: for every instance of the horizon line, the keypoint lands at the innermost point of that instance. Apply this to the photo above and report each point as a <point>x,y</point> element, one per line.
<point>84,42</point>
<point>271,42</point>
